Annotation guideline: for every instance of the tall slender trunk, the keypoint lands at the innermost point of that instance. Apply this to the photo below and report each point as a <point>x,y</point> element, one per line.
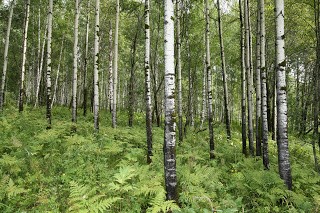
<point>178,42</point>
<point>258,83</point>
<point>5,60</point>
<point>40,67</point>
<point>49,99</point>
<point>54,97</point>
<point>169,147</point>
<point>243,82</point>
<point>110,69</point>
<point>204,95</point>
<point>316,86</point>
<point>249,76</point>
<point>209,83</point>
<point>264,108</point>
<point>282,120</point>
<point>115,71</point>
<point>75,63</point>
<point>96,67</point>
<point>24,55</point>
<point>131,105</point>
<point>85,86</point>
<point>224,75</point>
<point>148,80</point>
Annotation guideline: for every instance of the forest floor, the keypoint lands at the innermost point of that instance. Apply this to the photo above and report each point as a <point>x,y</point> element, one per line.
<point>62,170</point>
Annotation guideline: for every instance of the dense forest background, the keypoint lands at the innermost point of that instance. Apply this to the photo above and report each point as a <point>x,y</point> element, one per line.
<point>103,147</point>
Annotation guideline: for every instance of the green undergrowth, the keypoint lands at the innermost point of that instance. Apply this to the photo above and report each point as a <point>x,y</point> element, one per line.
<point>63,170</point>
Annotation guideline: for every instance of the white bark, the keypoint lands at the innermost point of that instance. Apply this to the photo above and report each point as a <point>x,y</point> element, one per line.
<point>169,103</point>
<point>115,71</point>
<point>40,67</point>
<point>75,63</point>
<point>57,75</point>
<point>5,60</point>
<point>110,69</point>
<point>50,9</point>
<point>96,68</point>
<point>24,56</point>
<point>85,89</point>
<point>148,81</point>
<point>282,110</point>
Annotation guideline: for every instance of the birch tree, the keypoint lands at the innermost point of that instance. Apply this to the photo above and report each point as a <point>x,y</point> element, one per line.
<point>178,43</point>
<point>5,60</point>
<point>209,83</point>
<point>85,86</point>
<point>258,82</point>
<point>24,55</point>
<point>148,80</point>
<point>169,105</point>
<point>54,97</point>
<point>224,74</point>
<point>48,114</point>
<point>110,69</point>
<point>243,82</point>
<point>282,110</point>
<point>115,67</point>
<point>264,109</point>
<point>96,67</point>
<point>249,74</point>
<point>75,62</point>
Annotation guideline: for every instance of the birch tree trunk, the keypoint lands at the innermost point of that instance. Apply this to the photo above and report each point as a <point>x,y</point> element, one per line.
<point>148,80</point>
<point>5,60</point>
<point>258,83</point>
<point>282,111</point>
<point>85,86</point>
<point>48,114</point>
<point>204,95</point>
<point>224,75</point>
<point>170,116</point>
<point>115,71</point>
<point>54,97</point>
<point>249,75</point>
<point>178,42</point>
<point>264,107</point>
<point>209,83</point>
<point>110,69</point>
<point>96,67</point>
<point>243,82</point>
<point>75,63</point>
<point>40,67</point>
<point>24,55</point>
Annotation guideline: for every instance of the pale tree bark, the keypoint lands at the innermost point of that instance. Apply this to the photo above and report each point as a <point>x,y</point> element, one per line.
<point>110,69</point>
<point>170,116</point>
<point>40,67</point>
<point>178,43</point>
<point>75,62</point>
<point>282,110</point>
<point>49,99</point>
<point>249,75</point>
<point>85,86</point>
<point>258,83</point>
<point>264,108</point>
<point>148,80</point>
<point>224,75</point>
<point>54,97</point>
<point>24,55</point>
<point>96,67</point>
<point>316,86</point>
<point>209,79</point>
<point>204,95</point>
<point>115,67</point>
<point>243,82</point>
<point>5,60</point>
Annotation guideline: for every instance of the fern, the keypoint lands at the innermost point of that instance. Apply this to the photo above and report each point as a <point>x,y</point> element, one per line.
<point>83,198</point>
<point>160,204</point>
